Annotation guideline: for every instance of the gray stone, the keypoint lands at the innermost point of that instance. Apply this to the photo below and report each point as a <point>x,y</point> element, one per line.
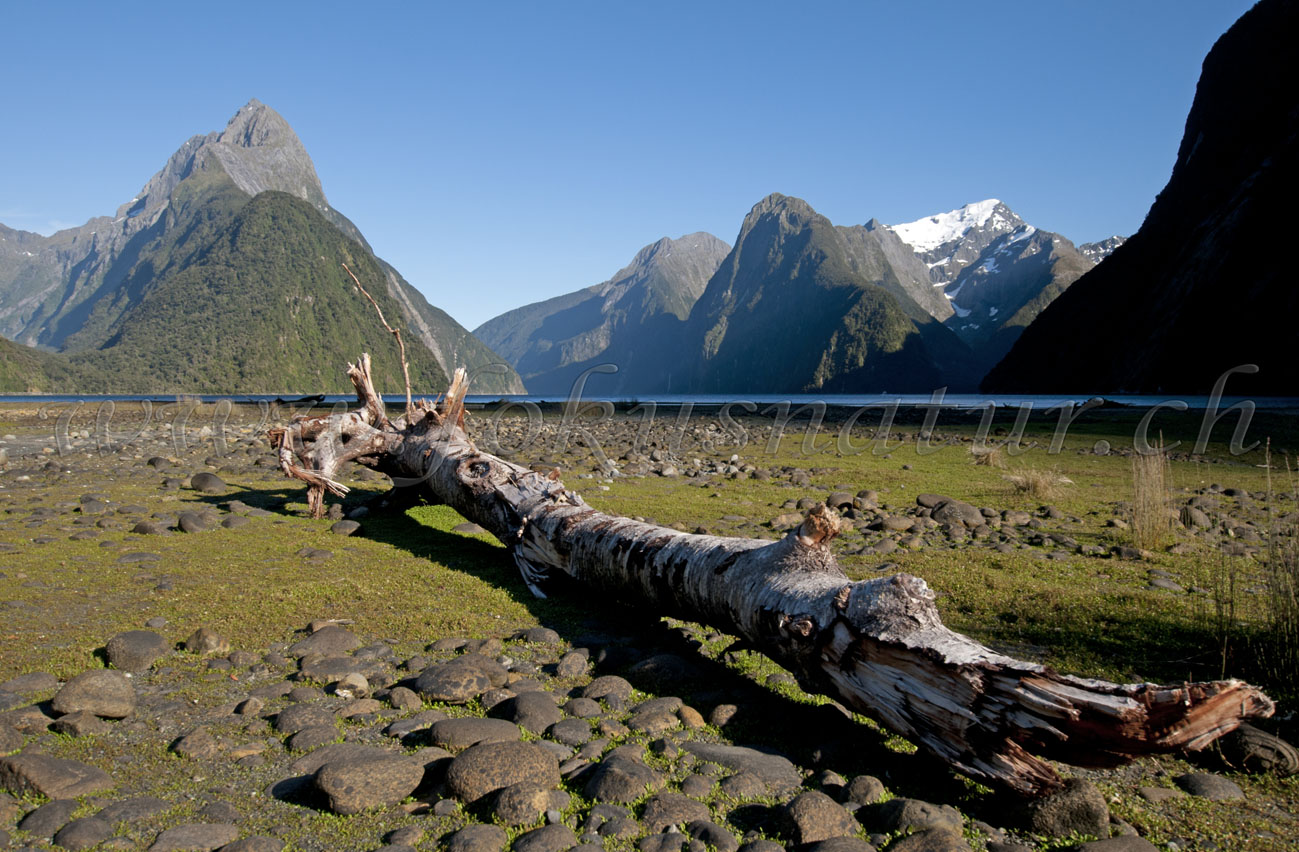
<point>192,522</point>
<point>207,483</point>
<point>402,698</point>
<point>204,640</point>
<point>696,786</point>
<point>912,814</point>
<point>329,669</point>
<point>572,664</point>
<point>520,804</point>
<point>863,790</point>
<point>79,724</point>
<point>478,838</point>
<point>1078,808</point>
<point>582,708</point>
<point>10,739</point>
<point>106,693</point>
<point>1155,795</point>
<point>813,816</point>
<point>83,833</point>
<point>199,744</point>
<point>485,768</point>
<point>219,812</point>
<point>608,686</point>
<point>622,778</point>
<point>255,843</point>
<point>667,842</point>
<point>335,753</point>
<point>744,785</point>
<point>345,527</point>
<point>471,730</point>
<point>1126,843</point>
<point>712,835</point>
<point>1206,785</point>
<point>959,513</point>
<point>352,685</point>
<point>762,845</point>
<point>195,837</point>
<point>573,732</point>
<point>312,737</point>
<point>295,717</point>
<point>460,680</point>
<point>930,840</point>
<point>356,785</point>
<point>135,650</point>
<point>131,810</point>
<point>46,820</point>
<point>533,711</point>
<point>776,772</point>
<point>330,640</point>
<point>668,809</point>
<point>52,777</point>
<point>30,683</point>
<point>548,838</point>
<point>839,844</point>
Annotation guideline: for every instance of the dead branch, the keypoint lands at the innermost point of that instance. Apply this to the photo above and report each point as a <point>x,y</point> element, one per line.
<point>401,346</point>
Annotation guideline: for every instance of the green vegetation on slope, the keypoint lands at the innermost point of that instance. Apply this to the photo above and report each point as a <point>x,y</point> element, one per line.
<point>248,299</point>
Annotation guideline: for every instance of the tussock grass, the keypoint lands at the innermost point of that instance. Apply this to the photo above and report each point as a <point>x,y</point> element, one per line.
<point>988,456</point>
<point>1279,651</point>
<point>1152,523</point>
<point>1037,483</point>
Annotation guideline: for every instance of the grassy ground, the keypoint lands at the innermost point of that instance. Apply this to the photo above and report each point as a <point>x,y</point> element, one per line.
<point>411,578</point>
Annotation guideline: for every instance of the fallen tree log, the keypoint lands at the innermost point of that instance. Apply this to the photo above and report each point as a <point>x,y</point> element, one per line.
<point>878,646</point>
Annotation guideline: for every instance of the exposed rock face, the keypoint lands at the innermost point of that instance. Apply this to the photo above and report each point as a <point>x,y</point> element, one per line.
<point>1010,283</point>
<point>1201,287</point>
<point>1098,251</point>
<point>552,342</point>
<point>798,305</point>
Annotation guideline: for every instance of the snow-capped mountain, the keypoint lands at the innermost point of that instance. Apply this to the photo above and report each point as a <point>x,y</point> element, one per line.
<point>948,242</point>
<point>996,271</point>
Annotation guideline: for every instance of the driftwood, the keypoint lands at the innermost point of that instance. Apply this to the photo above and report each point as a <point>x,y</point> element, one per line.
<point>878,646</point>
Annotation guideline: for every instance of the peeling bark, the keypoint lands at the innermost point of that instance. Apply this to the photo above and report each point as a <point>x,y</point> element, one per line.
<point>877,645</point>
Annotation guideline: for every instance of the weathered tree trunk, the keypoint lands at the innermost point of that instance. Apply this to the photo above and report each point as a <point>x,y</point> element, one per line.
<point>878,645</point>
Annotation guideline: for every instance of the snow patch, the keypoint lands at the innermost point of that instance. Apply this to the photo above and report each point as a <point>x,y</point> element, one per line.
<point>992,312</point>
<point>929,233</point>
<point>960,311</point>
<point>1028,231</point>
<point>989,266</point>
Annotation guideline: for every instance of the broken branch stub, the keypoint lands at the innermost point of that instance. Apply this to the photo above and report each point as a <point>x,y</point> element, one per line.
<point>878,646</point>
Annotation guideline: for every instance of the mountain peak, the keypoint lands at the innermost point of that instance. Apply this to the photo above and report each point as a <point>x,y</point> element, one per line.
<point>259,151</point>
<point>792,214</point>
<point>778,204</point>
<point>255,125</point>
<point>929,233</point>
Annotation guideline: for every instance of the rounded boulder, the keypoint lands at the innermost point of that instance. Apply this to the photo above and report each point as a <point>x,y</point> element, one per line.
<point>485,768</point>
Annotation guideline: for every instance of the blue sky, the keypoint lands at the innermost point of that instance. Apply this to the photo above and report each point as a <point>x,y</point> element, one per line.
<point>499,153</point>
